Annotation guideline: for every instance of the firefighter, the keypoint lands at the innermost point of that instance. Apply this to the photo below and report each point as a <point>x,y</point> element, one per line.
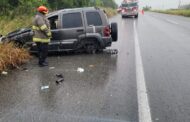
<point>42,34</point>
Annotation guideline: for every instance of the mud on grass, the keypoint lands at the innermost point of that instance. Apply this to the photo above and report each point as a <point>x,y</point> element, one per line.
<point>12,56</point>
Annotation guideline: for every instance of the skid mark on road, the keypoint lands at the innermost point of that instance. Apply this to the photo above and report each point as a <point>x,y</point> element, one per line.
<point>143,103</point>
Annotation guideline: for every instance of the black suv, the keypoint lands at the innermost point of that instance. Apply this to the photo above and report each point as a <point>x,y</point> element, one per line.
<point>75,29</point>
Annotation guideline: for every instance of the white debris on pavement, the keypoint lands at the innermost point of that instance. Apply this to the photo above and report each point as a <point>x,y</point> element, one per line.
<point>80,70</point>
<point>4,73</point>
<point>157,119</point>
<point>51,68</point>
<point>44,87</point>
<point>91,66</point>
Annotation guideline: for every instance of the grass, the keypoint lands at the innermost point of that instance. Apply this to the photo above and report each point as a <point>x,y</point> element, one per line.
<point>181,12</point>
<point>110,11</point>
<point>7,24</point>
<point>12,57</point>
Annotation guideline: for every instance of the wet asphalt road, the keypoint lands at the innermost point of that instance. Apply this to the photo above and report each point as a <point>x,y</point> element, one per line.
<point>107,90</point>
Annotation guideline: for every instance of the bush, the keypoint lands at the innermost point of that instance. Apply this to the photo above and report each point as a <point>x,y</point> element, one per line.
<point>110,11</point>
<point>11,56</point>
<point>182,12</point>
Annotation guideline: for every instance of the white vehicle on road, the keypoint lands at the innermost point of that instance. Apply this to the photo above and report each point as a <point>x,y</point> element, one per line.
<point>129,9</point>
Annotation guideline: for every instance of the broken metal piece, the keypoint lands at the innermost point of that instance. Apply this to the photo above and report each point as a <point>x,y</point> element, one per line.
<point>59,80</point>
<point>59,75</point>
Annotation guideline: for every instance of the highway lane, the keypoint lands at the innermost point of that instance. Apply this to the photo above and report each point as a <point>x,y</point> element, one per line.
<point>165,48</point>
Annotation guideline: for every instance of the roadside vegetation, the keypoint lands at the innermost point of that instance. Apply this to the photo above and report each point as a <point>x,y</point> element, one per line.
<point>181,12</point>
<point>15,14</point>
<point>11,56</point>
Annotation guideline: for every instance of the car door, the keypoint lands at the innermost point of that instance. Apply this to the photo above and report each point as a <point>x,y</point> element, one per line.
<point>72,26</point>
<point>55,40</point>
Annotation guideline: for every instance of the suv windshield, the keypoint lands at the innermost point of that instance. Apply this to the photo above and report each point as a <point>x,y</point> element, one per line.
<point>129,5</point>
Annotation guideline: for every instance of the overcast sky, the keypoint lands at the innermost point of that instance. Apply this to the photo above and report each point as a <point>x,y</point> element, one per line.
<point>159,4</point>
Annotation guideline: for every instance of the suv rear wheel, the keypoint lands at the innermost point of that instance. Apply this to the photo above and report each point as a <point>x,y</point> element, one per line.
<point>114,31</point>
<point>91,47</point>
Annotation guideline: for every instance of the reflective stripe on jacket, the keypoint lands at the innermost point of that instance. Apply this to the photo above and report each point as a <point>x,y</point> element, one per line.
<point>41,28</point>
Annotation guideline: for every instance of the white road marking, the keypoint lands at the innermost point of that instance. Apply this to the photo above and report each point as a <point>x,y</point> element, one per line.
<point>171,21</point>
<point>143,102</point>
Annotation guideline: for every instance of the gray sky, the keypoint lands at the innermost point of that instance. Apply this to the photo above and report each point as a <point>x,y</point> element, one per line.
<point>159,4</point>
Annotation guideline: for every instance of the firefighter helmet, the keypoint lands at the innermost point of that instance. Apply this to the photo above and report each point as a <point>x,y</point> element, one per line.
<point>42,9</point>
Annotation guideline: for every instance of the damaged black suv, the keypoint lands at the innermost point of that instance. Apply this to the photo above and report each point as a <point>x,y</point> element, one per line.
<point>75,29</point>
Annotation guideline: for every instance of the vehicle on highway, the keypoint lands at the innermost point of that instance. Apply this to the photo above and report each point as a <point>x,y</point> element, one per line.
<point>129,8</point>
<point>75,29</point>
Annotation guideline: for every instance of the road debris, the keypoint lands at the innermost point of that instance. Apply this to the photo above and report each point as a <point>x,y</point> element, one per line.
<point>4,73</point>
<point>111,51</point>
<point>59,80</point>
<point>25,69</point>
<point>157,119</point>
<point>44,87</point>
<point>80,70</point>
<point>91,66</point>
<point>59,75</point>
<point>51,68</point>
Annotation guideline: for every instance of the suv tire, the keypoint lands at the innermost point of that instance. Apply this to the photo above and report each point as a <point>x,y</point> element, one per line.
<point>91,47</point>
<point>114,31</point>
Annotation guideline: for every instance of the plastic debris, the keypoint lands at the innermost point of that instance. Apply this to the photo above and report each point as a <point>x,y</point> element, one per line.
<point>59,75</point>
<point>4,73</point>
<point>157,119</point>
<point>80,70</point>
<point>25,69</point>
<point>59,80</point>
<point>44,87</point>
<point>111,51</point>
<point>51,67</point>
<point>91,66</point>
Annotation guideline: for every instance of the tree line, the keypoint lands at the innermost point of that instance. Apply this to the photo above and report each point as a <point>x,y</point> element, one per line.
<point>18,7</point>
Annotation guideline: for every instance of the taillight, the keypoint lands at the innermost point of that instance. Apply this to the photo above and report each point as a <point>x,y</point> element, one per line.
<point>107,31</point>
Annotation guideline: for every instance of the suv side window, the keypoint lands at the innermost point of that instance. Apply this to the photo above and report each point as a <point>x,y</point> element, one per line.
<point>53,22</point>
<point>72,20</point>
<point>93,18</point>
